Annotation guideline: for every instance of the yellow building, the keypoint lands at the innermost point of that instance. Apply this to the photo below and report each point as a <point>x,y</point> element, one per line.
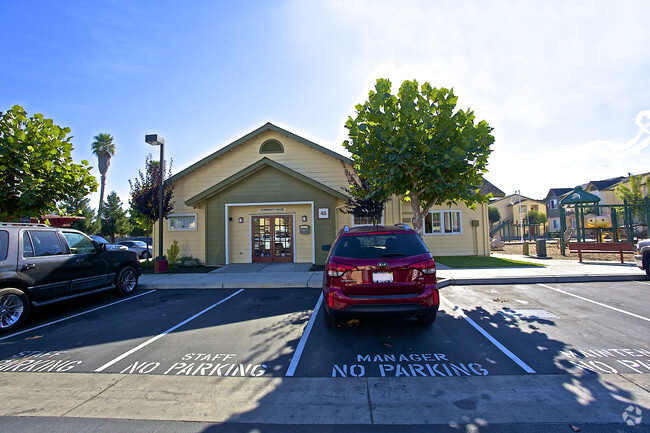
<point>272,196</point>
<point>514,209</point>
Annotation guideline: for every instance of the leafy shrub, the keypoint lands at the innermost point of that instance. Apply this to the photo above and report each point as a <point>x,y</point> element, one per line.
<point>188,262</point>
<point>173,252</point>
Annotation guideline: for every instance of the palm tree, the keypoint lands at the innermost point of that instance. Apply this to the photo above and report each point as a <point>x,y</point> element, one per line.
<point>104,148</point>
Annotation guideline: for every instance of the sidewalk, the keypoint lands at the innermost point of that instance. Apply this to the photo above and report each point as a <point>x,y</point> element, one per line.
<point>298,275</point>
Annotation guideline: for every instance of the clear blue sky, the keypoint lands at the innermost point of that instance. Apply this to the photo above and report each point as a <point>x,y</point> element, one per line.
<point>566,85</point>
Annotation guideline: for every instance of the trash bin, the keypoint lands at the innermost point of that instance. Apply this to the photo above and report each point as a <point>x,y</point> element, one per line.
<point>541,247</point>
<point>525,249</point>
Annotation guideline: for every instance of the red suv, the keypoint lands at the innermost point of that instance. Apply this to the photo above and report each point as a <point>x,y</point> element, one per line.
<point>379,270</point>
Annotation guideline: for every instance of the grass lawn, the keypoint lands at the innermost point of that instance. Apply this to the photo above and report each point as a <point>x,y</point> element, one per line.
<point>481,262</point>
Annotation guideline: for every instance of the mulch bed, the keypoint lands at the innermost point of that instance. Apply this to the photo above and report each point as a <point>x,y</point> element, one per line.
<point>553,251</point>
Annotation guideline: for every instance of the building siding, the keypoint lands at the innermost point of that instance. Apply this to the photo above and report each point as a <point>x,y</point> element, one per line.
<point>268,186</point>
<point>272,186</point>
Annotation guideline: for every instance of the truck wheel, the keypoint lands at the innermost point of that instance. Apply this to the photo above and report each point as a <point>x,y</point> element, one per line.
<point>14,308</point>
<point>126,280</point>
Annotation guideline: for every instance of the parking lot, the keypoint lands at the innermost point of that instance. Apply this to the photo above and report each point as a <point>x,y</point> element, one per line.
<point>568,332</point>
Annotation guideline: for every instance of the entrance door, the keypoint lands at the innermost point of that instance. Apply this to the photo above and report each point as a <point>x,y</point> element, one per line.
<point>273,238</point>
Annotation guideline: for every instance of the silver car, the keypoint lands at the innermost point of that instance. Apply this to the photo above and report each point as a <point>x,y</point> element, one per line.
<point>109,246</point>
<point>140,248</point>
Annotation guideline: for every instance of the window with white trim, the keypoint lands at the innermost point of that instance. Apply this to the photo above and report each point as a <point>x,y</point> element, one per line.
<point>443,222</point>
<point>362,221</point>
<point>553,203</point>
<point>179,222</point>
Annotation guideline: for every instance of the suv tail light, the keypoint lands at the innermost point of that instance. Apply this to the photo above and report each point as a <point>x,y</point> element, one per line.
<point>427,267</point>
<point>337,270</point>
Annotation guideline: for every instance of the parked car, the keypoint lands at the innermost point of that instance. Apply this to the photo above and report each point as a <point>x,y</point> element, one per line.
<point>140,248</point>
<point>109,246</point>
<point>41,265</point>
<point>145,239</point>
<point>374,270</point>
<point>642,256</point>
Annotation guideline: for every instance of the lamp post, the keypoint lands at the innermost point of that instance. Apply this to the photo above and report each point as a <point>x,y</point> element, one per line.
<point>521,222</point>
<point>160,263</point>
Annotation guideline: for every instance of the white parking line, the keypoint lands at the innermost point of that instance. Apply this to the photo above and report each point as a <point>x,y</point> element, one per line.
<point>492,340</point>
<point>75,315</point>
<point>151,340</point>
<point>303,340</point>
<point>595,302</point>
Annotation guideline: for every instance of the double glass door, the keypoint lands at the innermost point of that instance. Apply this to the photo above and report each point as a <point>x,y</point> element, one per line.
<point>273,238</point>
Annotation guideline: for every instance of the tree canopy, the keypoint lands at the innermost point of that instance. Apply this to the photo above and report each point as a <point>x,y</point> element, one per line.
<point>418,145</point>
<point>36,166</point>
<point>145,193</point>
<point>632,192</point>
<point>493,214</point>
<point>536,217</point>
<point>361,204</point>
<point>81,207</point>
<point>114,221</point>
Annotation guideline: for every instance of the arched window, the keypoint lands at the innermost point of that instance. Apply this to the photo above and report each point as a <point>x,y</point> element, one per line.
<point>271,146</point>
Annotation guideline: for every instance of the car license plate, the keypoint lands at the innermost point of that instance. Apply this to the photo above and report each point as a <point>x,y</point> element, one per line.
<point>382,277</point>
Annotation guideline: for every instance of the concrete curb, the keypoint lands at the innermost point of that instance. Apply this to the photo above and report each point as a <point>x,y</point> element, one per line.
<point>315,282</point>
<point>538,279</point>
<point>249,285</point>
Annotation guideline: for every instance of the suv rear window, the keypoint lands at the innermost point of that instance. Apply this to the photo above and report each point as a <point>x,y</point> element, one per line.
<point>379,245</point>
<point>4,245</point>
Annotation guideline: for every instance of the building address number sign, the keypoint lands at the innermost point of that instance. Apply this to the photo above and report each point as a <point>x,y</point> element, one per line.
<point>323,213</point>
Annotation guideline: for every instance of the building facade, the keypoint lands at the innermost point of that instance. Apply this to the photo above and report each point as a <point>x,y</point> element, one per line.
<point>514,222</point>
<point>273,196</point>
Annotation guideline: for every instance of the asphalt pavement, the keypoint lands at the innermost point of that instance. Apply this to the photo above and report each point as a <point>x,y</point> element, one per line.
<point>295,275</point>
<point>473,332</point>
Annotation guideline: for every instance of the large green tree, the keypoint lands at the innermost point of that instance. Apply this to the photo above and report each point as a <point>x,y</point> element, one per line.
<point>418,145</point>
<point>633,194</point>
<point>114,220</point>
<point>36,166</point>
<point>104,148</point>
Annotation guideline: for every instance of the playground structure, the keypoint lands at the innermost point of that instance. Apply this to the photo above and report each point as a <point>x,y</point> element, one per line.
<point>602,224</point>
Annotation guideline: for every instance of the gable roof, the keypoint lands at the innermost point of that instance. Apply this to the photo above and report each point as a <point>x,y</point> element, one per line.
<point>266,127</point>
<point>254,168</point>
<point>605,183</point>
<point>487,188</point>
<point>560,191</point>
<point>557,193</point>
<point>625,179</point>
<point>513,199</point>
<point>579,195</point>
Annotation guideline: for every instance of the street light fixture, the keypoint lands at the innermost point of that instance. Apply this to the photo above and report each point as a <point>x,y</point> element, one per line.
<point>160,263</point>
<point>521,222</point>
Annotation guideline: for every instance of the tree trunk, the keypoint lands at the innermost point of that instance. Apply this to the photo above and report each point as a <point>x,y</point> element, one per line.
<point>104,160</point>
<point>418,213</point>
<point>101,199</point>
